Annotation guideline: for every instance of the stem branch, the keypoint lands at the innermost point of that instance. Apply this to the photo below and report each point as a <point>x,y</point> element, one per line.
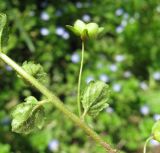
<point>57,102</point>
<point>40,103</point>
<point>83,115</point>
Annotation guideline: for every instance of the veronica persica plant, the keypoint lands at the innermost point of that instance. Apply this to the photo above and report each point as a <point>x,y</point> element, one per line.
<point>29,115</point>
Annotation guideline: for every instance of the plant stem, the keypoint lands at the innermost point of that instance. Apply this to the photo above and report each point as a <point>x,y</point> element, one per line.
<point>3,23</point>
<point>79,81</point>
<point>24,34</point>
<point>57,103</point>
<point>145,145</point>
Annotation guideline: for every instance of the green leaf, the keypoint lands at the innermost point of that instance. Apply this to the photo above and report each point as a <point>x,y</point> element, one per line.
<point>3,31</point>
<point>37,71</point>
<point>27,117</point>
<point>95,98</point>
<point>156,131</point>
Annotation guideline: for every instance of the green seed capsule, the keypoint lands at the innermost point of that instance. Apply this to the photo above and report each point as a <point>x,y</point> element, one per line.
<point>92,30</point>
<point>156,131</point>
<point>79,26</point>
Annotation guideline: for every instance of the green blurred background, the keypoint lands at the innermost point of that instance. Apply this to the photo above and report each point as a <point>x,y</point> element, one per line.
<point>127,57</point>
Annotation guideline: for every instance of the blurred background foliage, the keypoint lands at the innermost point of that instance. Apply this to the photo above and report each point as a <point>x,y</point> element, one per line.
<point>127,57</point>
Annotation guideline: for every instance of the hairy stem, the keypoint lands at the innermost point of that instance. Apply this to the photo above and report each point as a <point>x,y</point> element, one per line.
<point>79,81</point>
<point>57,103</point>
<point>145,145</point>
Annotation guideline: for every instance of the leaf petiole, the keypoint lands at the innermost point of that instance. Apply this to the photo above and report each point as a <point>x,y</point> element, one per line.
<point>41,103</point>
<point>83,115</point>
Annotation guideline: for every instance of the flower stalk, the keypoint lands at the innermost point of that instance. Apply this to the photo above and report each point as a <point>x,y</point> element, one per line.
<point>145,145</point>
<point>79,81</point>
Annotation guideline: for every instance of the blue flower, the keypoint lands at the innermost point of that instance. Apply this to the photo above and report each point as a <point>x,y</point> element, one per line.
<point>75,58</point>
<point>44,31</point>
<point>144,110</point>
<point>44,16</point>
<point>117,87</point>
<point>104,78</point>
<point>89,79</point>
<point>119,12</point>
<point>53,145</point>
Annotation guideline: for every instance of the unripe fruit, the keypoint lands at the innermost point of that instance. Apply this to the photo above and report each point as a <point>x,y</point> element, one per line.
<point>156,131</point>
<point>79,26</point>
<point>92,29</point>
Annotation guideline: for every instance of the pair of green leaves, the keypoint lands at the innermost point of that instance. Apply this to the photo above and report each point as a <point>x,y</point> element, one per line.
<point>95,98</point>
<point>37,71</point>
<point>3,31</point>
<point>89,30</point>
<point>27,116</point>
